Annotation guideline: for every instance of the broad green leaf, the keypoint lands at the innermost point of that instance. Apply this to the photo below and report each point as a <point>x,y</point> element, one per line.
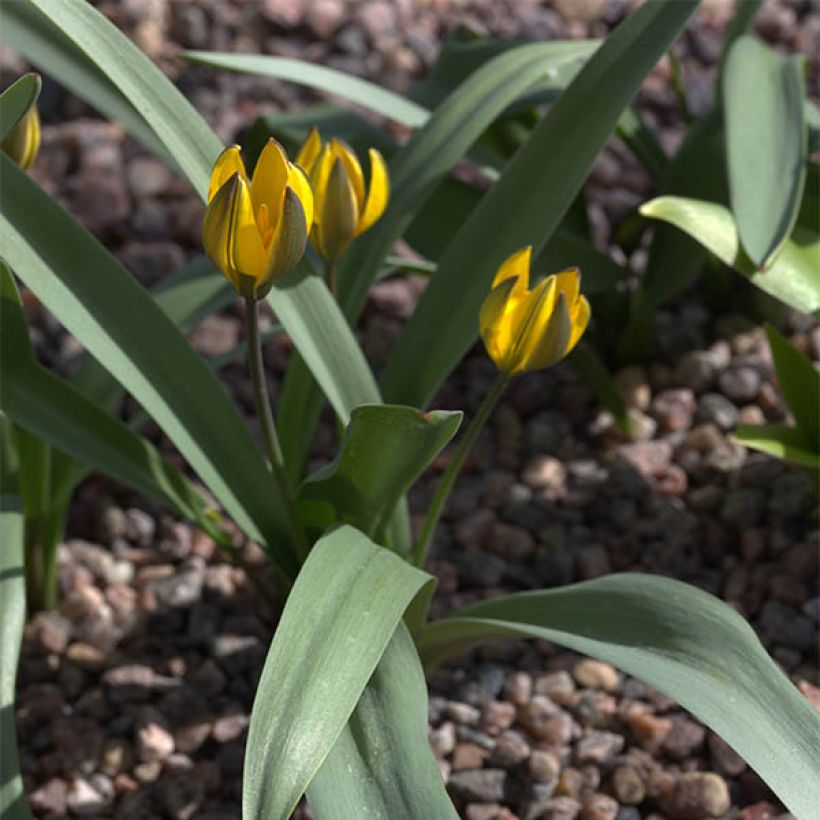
<point>339,617</point>
<point>780,441</point>
<point>527,203</point>
<point>384,450</point>
<point>793,276</point>
<point>12,618</point>
<point>184,134</point>
<point>800,384</point>
<point>42,43</point>
<point>310,315</point>
<point>766,144</point>
<point>107,311</point>
<point>364,93</point>
<point>16,100</point>
<point>686,643</point>
<point>382,765</point>
<point>415,172</point>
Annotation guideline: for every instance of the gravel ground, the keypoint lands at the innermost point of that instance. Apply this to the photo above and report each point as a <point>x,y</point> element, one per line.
<point>134,697</point>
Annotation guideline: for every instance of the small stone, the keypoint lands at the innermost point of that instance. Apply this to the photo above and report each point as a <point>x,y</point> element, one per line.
<point>599,807</point>
<point>229,727</point>
<point>181,590</point>
<point>684,738</point>
<point>673,409</point>
<point>50,798</point>
<point>649,458</point>
<point>698,794</point>
<point>468,756</point>
<point>725,758</point>
<point>633,385</point>
<point>483,811</point>
<point>792,493</point>
<point>595,674</point>
<point>511,748</point>
<point>557,686</point>
<point>180,795</point>
<point>51,631</point>
<point>130,683</point>
<point>782,624</point>
<point>112,524</point>
<point>696,370</point>
<point>443,739</point>
<point>148,772</point>
<point>649,730</point>
<point>83,798</point>
<point>117,757</point>
<point>714,408</point>
<point>570,782</point>
<point>496,716</point>
<point>153,740</point>
<point>545,473</point>
<point>598,747</point>
<point>560,808</point>
<point>462,713</point>
<point>543,766</point>
<point>628,785</point>
<point>593,562</point>
<point>478,786</point>
<point>740,383</point>
<point>518,686</point>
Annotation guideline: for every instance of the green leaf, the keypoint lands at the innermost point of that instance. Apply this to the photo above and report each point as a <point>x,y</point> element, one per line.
<point>339,617</point>
<point>384,450</point>
<point>766,143</point>
<point>643,144</point>
<point>364,93</point>
<point>12,618</point>
<point>324,340</point>
<point>588,365</point>
<point>800,384</point>
<point>382,765</point>
<point>780,441</point>
<point>793,276</point>
<point>527,203</point>
<point>687,644</point>
<point>16,100</point>
<point>107,311</point>
<point>184,134</point>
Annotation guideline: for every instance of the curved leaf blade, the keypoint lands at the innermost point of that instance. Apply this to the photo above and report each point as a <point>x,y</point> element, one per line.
<point>684,642</point>
<point>382,765</point>
<point>339,617</point>
<point>528,202</point>
<point>780,441</point>
<point>766,143</point>
<point>793,276</point>
<point>109,313</point>
<point>16,100</point>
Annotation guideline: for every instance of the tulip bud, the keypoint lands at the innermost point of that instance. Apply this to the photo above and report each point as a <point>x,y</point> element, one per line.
<point>344,208</point>
<point>23,141</point>
<point>256,231</point>
<point>525,330</point>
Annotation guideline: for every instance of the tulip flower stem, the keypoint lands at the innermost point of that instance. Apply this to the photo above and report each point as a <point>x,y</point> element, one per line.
<point>454,467</point>
<point>269,434</point>
<point>330,276</point>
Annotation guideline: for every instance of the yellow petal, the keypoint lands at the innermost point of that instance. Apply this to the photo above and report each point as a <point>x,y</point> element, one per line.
<point>319,176</point>
<point>493,323</point>
<point>288,244</point>
<point>269,179</point>
<point>23,141</point>
<point>228,163</point>
<point>579,317</point>
<point>569,283</point>
<point>336,222</point>
<point>378,194</point>
<point>516,266</point>
<point>354,171</point>
<point>309,151</point>
<point>230,235</point>
<point>548,341</point>
<point>301,186</point>
<point>529,321</point>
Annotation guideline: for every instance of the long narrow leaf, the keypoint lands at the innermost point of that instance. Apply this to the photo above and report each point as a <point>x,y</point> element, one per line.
<point>527,203</point>
<point>687,644</point>
<point>780,441</point>
<point>339,617</point>
<point>382,764</point>
<point>16,100</point>
<point>12,617</point>
<point>99,302</point>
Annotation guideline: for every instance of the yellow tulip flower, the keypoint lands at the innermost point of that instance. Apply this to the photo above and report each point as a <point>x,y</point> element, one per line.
<point>255,231</point>
<point>527,329</point>
<point>23,141</point>
<point>344,209</point>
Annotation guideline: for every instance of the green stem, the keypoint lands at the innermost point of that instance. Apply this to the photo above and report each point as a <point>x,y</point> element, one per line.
<point>454,467</point>
<point>330,276</point>
<point>269,435</point>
